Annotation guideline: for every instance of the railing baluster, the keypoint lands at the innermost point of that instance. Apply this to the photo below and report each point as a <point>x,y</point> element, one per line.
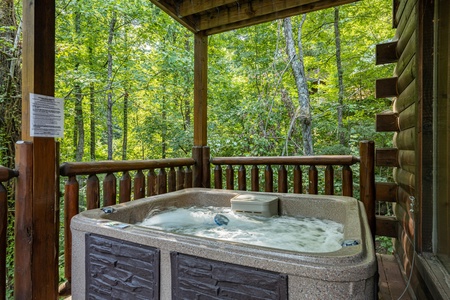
<point>180,178</point>
<point>242,179</point>
<point>188,177</point>
<point>139,185</point>
<point>329,180</point>
<point>162,181</point>
<point>92,192</point>
<point>298,180</point>
<point>268,177</point>
<point>230,177</point>
<point>347,181</point>
<point>71,203</point>
<point>125,187</point>
<point>282,179</point>
<point>109,190</point>
<point>151,182</point>
<point>255,178</point>
<point>3,240</point>
<point>171,180</point>
<point>313,180</point>
<point>218,177</point>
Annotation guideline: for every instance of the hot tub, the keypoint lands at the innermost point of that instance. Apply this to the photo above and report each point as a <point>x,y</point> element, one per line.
<point>115,258</point>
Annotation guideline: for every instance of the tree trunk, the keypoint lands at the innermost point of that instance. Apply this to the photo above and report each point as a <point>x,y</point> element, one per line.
<point>92,125</point>
<point>125,126</point>
<point>109,122</point>
<point>79,122</point>
<point>298,69</point>
<point>340,71</point>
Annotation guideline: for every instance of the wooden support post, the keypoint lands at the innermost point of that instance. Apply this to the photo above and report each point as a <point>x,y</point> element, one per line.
<point>367,181</point>
<point>206,176</point>
<point>197,170</point>
<point>71,203</point>
<point>37,220</point>
<point>200,88</point>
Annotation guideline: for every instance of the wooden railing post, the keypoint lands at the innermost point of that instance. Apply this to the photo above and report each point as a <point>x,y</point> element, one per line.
<point>109,190</point>
<point>255,178</point>
<point>313,180</point>
<point>151,183</point>
<point>347,181</point>
<point>282,179</point>
<point>125,187</point>
<point>139,185</point>
<point>367,181</point>
<point>218,177</point>
<point>229,177</point>
<point>268,179</point>
<point>71,204</point>
<point>242,178</point>
<point>298,180</point>
<point>92,192</point>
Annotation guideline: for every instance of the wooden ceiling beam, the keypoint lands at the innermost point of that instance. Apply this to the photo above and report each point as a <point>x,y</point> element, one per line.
<point>170,8</point>
<point>191,7</point>
<point>248,10</point>
<point>323,4</point>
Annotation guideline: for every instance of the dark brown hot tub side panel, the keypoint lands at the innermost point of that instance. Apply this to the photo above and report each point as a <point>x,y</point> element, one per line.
<point>196,277</point>
<point>116,269</point>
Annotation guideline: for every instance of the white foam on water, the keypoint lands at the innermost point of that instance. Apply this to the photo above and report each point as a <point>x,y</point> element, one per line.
<point>281,232</point>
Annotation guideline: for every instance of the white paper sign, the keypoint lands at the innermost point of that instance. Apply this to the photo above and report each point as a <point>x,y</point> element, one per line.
<point>46,116</point>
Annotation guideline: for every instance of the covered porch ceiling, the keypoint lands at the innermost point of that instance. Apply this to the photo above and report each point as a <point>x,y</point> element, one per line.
<point>215,16</point>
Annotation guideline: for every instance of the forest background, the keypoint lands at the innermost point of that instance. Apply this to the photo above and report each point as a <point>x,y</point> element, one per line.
<point>125,70</point>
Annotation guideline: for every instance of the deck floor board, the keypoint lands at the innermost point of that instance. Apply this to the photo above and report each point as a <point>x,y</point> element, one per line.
<point>391,281</point>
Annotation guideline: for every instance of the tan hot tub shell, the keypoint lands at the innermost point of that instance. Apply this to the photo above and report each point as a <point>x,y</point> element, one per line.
<point>349,273</point>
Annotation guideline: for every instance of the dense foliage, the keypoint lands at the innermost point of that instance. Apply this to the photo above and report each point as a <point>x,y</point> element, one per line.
<point>251,94</point>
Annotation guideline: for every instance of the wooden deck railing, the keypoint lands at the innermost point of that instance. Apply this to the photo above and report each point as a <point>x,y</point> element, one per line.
<point>5,175</point>
<point>178,176</point>
<point>297,164</point>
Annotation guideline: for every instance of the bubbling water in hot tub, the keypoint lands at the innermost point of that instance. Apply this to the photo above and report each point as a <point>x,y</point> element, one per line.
<point>302,234</point>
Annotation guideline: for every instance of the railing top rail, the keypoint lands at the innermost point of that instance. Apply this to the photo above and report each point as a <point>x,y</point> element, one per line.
<point>111,166</point>
<point>6,173</point>
<point>319,160</point>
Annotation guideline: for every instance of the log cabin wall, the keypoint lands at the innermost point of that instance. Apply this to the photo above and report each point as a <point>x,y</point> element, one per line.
<point>410,121</point>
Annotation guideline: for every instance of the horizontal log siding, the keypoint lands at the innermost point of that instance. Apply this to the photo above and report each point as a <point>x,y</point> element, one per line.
<point>406,24</point>
<point>406,139</point>
<point>406,54</point>
<point>407,159</point>
<point>407,118</point>
<point>408,74</point>
<point>406,98</point>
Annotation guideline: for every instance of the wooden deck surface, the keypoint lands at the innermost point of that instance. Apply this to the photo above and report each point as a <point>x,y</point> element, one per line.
<point>391,282</point>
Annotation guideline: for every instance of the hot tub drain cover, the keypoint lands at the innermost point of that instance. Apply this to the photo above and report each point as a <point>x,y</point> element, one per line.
<point>262,205</point>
